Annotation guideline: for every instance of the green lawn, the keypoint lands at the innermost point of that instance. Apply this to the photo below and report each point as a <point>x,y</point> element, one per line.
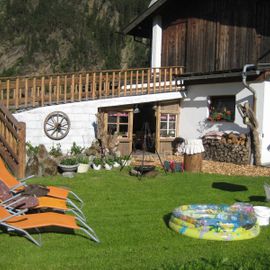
<point>130,217</point>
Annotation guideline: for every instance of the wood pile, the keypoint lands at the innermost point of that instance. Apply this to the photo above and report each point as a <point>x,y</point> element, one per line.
<point>232,148</point>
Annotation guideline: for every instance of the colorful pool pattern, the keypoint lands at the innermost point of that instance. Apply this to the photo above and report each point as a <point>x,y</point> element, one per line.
<point>216,222</point>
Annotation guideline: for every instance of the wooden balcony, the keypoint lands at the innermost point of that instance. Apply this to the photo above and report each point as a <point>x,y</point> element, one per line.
<point>37,91</point>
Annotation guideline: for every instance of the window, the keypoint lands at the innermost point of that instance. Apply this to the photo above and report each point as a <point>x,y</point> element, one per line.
<point>221,108</point>
<point>168,125</point>
<point>118,123</point>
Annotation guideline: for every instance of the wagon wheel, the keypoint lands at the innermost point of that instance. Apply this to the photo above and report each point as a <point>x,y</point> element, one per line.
<point>56,125</point>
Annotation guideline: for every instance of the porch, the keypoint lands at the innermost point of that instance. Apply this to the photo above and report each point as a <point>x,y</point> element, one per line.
<point>20,93</point>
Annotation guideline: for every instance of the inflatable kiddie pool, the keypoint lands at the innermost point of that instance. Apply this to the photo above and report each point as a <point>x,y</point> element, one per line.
<point>215,222</point>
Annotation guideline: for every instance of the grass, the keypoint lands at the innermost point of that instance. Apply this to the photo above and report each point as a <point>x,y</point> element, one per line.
<point>130,217</point>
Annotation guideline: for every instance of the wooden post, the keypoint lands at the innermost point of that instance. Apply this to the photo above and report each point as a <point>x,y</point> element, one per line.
<point>100,85</point>
<point>17,93</point>
<point>165,80</point>
<point>158,128</point>
<point>142,88</point>
<point>65,89</point>
<point>50,91</point>
<point>57,89</point>
<point>34,92</point>
<point>137,81</point>
<point>170,79</point>
<point>94,86</point>
<point>154,80</point>
<point>113,83</point>
<point>148,80</point>
<point>125,83</point>
<point>42,91</point>
<point>131,82</point>
<point>26,93</point>
<point>107,85</point>
<point>72,87</point>
<point>86,86</point>
<point>80,87</point>
<point>8,89</point>
<point>21,150</point>
<point>119,83</point>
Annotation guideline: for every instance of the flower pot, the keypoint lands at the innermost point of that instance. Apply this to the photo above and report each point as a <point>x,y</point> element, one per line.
<point>83,168</point>
<point>96,167</point>
<point>116,165</point>
<point>107,167</point>
<point>68,168</point>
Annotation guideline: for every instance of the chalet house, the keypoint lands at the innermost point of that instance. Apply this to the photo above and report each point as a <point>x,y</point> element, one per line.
<point>207,58</point>
<point>224,47</point>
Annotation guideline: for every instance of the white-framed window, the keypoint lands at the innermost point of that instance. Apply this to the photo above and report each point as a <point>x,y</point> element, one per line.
<point>168,125</point>
<point>118,123</point>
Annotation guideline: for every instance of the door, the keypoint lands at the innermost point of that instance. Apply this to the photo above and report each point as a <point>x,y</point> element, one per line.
<point>120,121</point>
<point>167,126</point>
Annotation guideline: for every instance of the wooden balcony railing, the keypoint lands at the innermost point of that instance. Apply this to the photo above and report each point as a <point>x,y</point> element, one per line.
<point>12,142</point>
<point>29,92</point>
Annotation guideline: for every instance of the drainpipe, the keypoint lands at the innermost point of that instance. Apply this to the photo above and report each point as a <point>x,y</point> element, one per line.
<point>244,81</point>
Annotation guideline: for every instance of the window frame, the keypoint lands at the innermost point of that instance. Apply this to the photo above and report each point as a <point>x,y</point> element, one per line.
<point>118,123</point>
<point>221,115</point>
<point>168,122</point>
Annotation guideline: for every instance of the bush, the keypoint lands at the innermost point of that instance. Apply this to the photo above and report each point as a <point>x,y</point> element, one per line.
<point>56,151</point>
<point>69,161</point>
<point>76,149</point>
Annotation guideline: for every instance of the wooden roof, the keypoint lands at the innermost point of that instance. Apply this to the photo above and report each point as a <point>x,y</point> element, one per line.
<point>142,25</point>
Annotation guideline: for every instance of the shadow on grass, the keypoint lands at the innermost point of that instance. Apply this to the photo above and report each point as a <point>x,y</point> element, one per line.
<point>253,198</point>
<point>166,219</point>
<point>229,187</point>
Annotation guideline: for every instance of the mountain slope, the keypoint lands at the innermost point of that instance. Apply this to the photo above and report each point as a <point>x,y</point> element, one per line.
<point>45,36</point>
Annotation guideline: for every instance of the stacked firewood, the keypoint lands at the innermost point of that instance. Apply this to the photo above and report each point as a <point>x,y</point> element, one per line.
<point>233,148</point>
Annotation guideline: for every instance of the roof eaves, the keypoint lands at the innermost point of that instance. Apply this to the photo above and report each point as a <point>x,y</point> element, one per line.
<point>148,12</point>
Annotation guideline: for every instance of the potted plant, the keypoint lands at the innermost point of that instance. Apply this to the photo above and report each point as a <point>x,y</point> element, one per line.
<point>108,164</point>
<point>116,162</point>
<point>76,149</point>
<point>68,164</point>
<point>83,166</point>
<point>96,163</point>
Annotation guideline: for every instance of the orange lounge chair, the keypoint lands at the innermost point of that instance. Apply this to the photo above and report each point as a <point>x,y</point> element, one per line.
<point>44,203</point>
<point>21,201</point>
<point>14,184</point>
<point>20,223</point>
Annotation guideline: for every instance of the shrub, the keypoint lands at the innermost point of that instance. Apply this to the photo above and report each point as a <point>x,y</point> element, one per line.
<point>83,160</point>
<point>69,161</point>
<point>56,151</point>
<point>76,149</point>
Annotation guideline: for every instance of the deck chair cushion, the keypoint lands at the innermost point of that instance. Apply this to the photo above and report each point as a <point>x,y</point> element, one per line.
<point>35,190</point>
<point>26,202</point>
<point>5,193</point>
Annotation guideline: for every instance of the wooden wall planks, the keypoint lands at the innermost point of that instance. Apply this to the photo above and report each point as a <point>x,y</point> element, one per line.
<point>215,35</point>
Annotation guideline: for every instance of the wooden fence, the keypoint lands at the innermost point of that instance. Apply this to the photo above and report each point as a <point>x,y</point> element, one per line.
<point>12,142</point>
<point>38,91</point>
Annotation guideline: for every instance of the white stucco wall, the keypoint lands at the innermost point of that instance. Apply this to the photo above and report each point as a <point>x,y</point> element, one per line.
<point>194,112</point>
<point>194,109</point>
<point>82,118</point>
<point>265,128</point>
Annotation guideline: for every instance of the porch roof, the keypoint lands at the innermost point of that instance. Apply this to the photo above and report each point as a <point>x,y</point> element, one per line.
<point>142,25</point>
<point>261,73</point>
